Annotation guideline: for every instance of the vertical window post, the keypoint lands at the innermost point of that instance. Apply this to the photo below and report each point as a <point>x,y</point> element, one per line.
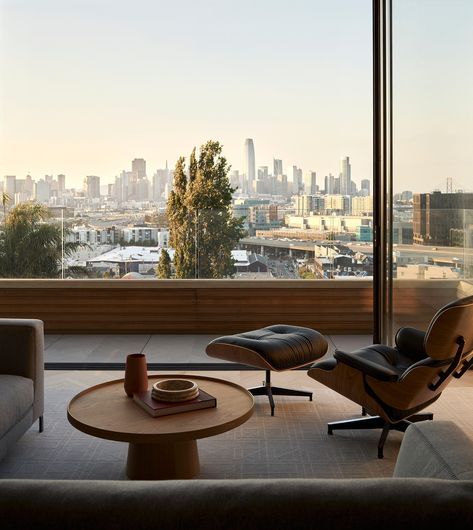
<point>382,169</point>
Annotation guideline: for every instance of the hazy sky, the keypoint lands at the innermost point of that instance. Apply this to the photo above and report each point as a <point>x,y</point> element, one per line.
<point>88,85</point>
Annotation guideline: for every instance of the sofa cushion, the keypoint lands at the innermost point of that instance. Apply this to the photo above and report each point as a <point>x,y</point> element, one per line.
<point>435,449</point>
<point>16,399</point>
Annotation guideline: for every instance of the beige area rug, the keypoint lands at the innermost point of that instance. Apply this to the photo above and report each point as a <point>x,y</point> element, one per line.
<point>293,443</point>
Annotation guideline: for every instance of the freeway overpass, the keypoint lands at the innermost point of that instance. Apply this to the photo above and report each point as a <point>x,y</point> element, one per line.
<point>420,252</point>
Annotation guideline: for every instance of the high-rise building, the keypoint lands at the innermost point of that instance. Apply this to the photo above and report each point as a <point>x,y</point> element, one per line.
<point>365,187</point>
<point>437,217</point>
<point>142,189</point>
<point>138,167</point>
<point>61,184</point>
<point>263,172</point>
<point>277,167</point>
<point>42,191</point>
<point>296,180</point>
<point>162,183</point>
<point>118,189</point>
<point>9,185</point>
<point>310,184</point>
<point>235,180</point>
<point>330,184</point>
<point>249,164</point>
<point>262,184</point>
<point>28,186</point>
<point>92,186</point>
<point>345,176</point>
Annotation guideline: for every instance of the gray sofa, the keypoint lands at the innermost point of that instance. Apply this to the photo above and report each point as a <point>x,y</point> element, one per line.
<point>432,487</point>
<point>21,378</point>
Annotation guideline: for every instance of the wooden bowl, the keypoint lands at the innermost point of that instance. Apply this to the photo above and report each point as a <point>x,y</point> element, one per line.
<point>175,390</point>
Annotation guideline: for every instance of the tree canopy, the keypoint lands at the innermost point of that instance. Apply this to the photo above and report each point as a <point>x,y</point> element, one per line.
<point>30,246</point>
<point>5,201</point>
<point>202,229</point>
<point>163,270</point>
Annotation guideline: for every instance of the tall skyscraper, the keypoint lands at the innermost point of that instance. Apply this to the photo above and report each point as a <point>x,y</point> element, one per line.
<point>277,167</point>
<point>296,180</point>
<point>42,191</point>
<point>9,185</point>
<point>262,184</point>
<point>310,183</point>
<point>92,186</point>
<point>138,167</point>
<point>61,184</point>
<point>345,176</point>
<point>249,164</point>
<point>118,189</point>
<point>235,180</point>
<point>330,185</point>
<point>365,187</point>
<point>142,189</point>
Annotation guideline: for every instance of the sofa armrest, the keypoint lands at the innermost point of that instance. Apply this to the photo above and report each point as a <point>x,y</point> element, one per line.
<point>22,353</point>
<point>435,449</point>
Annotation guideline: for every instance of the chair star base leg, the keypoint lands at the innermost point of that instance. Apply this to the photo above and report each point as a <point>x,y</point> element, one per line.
<point>376,422</point>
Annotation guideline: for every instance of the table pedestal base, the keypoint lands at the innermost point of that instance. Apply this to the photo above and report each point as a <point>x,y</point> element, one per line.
<point>162,461</point>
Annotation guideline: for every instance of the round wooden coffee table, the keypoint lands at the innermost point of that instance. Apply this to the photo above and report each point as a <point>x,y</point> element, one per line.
<point>163,447</point>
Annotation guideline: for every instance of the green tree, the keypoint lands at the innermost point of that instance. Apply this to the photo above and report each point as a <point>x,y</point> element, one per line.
<point>163,271</point>
<point>181,229</point>
<point>30,246</point>
<point>5,201</point>
<point>202,229</point>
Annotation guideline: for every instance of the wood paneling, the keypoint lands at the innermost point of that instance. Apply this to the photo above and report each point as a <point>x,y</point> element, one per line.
<point>189,306</point>
<point>215,306</point>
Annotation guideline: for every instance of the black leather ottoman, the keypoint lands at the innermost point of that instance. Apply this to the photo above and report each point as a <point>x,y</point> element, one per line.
<point>279,347</point>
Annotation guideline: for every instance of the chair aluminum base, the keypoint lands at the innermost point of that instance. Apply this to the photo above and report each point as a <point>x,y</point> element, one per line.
<point>268,390</point>
<point>376,422</point>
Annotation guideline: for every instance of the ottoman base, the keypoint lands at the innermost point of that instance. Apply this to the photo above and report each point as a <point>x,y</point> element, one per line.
<point>268,390</point>
<point>274,348</point>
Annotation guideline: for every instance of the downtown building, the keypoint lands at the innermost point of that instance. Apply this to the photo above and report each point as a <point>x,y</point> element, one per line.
<point>249,165</point>
<point>441,218</point>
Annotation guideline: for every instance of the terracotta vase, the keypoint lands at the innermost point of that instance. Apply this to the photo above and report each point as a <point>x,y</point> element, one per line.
<point>136,374</point>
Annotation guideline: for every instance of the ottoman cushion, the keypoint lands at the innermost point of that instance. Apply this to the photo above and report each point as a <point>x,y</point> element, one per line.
<point>282,346</point>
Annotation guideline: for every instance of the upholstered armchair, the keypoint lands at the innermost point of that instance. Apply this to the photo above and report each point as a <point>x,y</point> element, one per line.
<point>21,378</point>
<point>393,385</point>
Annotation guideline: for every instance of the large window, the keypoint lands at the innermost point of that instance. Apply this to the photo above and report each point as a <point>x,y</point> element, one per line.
<point>432,138</point>
<point>100,98</point>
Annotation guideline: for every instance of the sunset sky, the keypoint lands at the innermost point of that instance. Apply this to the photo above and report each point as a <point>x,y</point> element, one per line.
<point>88,85</point>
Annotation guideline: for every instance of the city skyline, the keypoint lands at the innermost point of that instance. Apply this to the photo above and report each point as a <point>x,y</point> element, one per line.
<point>92,84</point>
<point>343,171</point>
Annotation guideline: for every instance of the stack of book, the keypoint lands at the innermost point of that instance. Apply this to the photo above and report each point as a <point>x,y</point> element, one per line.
<point>163,408</point>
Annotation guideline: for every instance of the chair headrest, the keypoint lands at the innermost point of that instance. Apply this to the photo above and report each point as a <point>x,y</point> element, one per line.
<point>450,322</point>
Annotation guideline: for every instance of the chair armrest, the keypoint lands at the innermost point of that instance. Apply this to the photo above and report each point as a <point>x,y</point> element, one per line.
<point>360,360</point>
<point>410,342</point>
<point>22,353</point>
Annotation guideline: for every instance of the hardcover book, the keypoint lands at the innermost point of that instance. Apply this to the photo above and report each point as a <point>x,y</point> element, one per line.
<point>163,408</point>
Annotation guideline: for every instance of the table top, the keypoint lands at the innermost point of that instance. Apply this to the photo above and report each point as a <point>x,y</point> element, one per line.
<point>105,411</point>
